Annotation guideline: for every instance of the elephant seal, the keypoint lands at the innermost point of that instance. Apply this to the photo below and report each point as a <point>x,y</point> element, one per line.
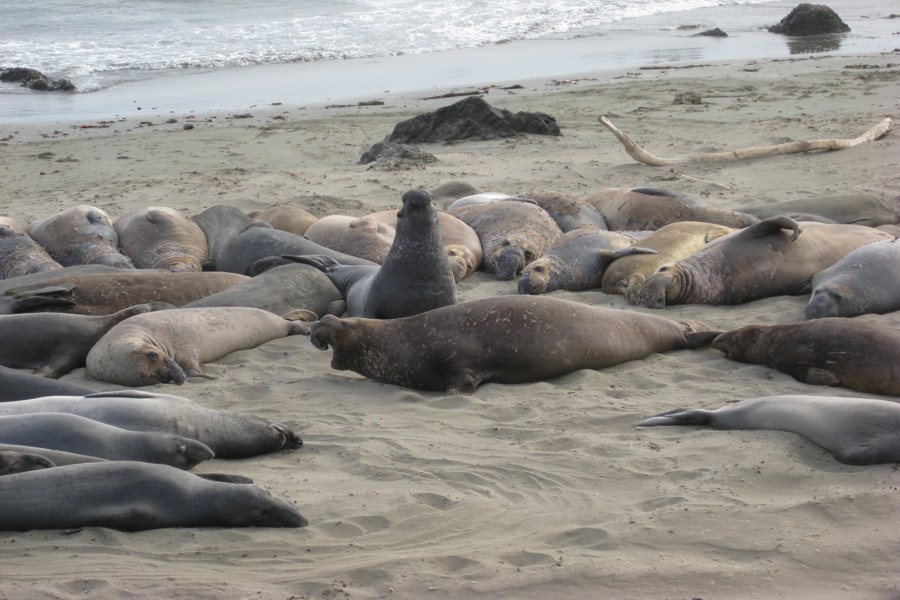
<point>576,261</point>
<point>161,348</point>
<point>777,256</point>
<point>228,434</point>
<point>415,275</point>
<point>513,233</point>
<point>856,431</point>
<point>568,211</point>
<point>220,224</point>
<point>860,355</point>
<point>460,242</point>
<point>507,339</point>
<point>80,235</point>
<point>481,198</point>
<point>55,343</point>
<point>12,462</point>
<point>448,192</point>
<point>56,458</point>
<point>865,281</point>
<point>361,237</point>
<point>852,209</point>
<point>159,237</point>
<point>19,253</point>
<point>285,217</point>
<point>96,290</point>
<point>134,496</point>
<point>280,290</point>
<point>652,208</point>
<point>672,242</point>
<point>18,385</point>
<point>80,435</point>
<point>259,240</point>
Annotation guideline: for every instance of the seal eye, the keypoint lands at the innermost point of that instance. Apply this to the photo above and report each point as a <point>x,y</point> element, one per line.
<point>663,269</point>
<point>505,243</point>
<point>152,356</point>
<point>537,269</point>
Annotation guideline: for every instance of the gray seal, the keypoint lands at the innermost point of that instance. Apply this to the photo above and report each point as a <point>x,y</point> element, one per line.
<point>19,253</point>
<point>506,339</point>
<point>12,462</point>
<point>229,434</point>
<point>153,348</point>
<point>133,496</point>
<point>853,209</point>
<point>856,354</point>
<point>80,435</point>
<point>865,281</point>
<point>856,431</point>
<point>80,235</point>
<point>19,385</point>
<point>55,343</point>
<point>415,276</point>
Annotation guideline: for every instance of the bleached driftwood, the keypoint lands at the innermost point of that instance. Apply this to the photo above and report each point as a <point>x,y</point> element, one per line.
<point>641,155</point>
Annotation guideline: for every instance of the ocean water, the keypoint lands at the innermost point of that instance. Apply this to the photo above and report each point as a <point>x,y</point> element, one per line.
<point>208,55</point>
<point>99,43</point>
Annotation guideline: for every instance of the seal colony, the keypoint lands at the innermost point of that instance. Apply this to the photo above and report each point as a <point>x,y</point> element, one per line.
<point>544,485</point>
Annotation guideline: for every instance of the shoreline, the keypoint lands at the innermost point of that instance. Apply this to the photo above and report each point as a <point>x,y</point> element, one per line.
<point>602,53</point>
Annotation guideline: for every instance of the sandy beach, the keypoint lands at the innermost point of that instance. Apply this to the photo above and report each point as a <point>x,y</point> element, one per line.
<point>543,490</point>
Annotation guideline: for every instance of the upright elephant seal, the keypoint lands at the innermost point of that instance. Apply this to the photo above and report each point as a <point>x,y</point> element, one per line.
<point>415,275</point>
<point>154,348</point>
<point>19,253</point>
<point>856,354</point>
<point>361,237</point>
<point>652,208</point>
<point>80,435</point>
<point>460,242</point>
<point>513,233</point>
<point>865,281</point>
<point>285,217</point>
<point>55,343</point>
<point>97,290</point>
<point>672,242</point>
<point>775,257</point>
<point>228,434</point>
<point>856,431</point>
<point>576,261</point>
<point>80,235</point>
<point>159,237</point>
<point>133,496</point>
<point>507,339</point>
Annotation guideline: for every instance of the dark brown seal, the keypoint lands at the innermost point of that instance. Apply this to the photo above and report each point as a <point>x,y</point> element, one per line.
<point>507,339</point>
<point>861,355</point>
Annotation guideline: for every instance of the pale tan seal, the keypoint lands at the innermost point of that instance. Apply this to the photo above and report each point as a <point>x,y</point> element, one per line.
<point>361,237</point>
<point>672,242</point>
<point>506,339</point>
<point>652,208</point>
<point>151,348</point>
<point>285,217</point>
<point>80,235</point>
<point>159,237</point>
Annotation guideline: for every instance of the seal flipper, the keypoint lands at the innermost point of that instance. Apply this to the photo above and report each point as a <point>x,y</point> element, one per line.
<point>462,381</point>
<point>818,376</point>
<point>679,416</point>
<point>773,225</point>
<point>611,255</point>
<point>20,300</point>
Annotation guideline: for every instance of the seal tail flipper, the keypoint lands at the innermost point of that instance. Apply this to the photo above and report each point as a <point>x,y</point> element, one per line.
<point>697,334</point>
<point>300,319</point>
<point>28,299</point>
<point>679,416</point>
<point>773,225</point>
<point>291,440</point>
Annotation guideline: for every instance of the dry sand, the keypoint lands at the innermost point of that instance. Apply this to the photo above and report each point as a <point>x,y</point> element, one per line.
<point>543,490</point>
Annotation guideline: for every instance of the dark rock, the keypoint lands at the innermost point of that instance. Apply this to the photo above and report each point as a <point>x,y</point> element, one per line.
<point>471,119</point>
<point>810,19</point>
<point>35,80</point>
<point>711,33</point>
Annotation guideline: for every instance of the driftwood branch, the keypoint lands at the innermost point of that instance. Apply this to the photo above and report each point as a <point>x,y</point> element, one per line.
<point>641,155</point>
